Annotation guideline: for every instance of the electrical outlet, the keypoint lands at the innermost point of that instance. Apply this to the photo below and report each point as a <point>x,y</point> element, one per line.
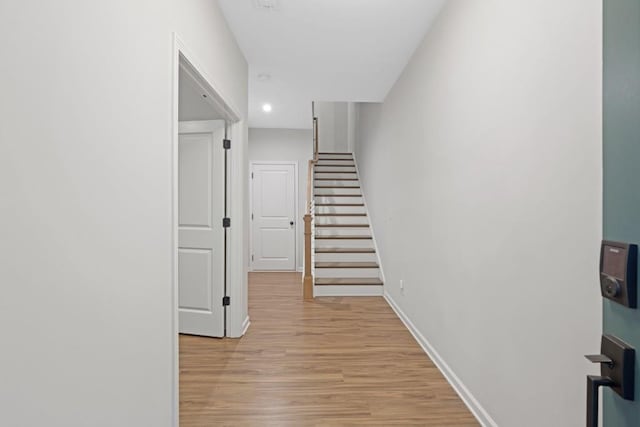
<point>402,286</point>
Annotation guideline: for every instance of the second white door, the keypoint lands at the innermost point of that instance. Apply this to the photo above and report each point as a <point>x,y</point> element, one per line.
<point>274,217</point>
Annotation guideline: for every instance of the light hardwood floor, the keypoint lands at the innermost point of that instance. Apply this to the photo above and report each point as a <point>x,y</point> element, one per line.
<point>329,362</point>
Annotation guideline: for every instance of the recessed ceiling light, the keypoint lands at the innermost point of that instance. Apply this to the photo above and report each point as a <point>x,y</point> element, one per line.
<point>264,77</point>
<point>269,5</point>
<point>266,108</point>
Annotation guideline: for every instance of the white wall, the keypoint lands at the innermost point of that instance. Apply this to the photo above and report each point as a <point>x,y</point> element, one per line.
<point>482,173</point>
<point>333,126</point>
<point>85,178</point>
<point>352,120</point>
<point>341,129</point>
<point>286,145</point>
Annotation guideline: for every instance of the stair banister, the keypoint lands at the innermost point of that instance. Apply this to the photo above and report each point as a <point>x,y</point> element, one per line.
<point>315,138</point>
<point>307,281</point>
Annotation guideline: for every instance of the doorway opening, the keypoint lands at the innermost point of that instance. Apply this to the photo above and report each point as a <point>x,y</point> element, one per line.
<point>204,126</point>
<point>202,198</point>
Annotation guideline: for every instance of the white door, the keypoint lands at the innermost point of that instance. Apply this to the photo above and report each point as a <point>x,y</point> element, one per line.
<point>200,233</point>
<point>274,217</point>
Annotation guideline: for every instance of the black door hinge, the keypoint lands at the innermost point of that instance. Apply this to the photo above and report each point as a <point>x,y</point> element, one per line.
<point>226,222</point>
<point>226,144</point>
<point>226,301</point>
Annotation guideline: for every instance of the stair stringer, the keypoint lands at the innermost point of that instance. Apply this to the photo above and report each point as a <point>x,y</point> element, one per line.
<point>371,228</point>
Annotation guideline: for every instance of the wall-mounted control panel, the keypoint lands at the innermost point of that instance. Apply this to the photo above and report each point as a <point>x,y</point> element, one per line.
<point>618,272</point>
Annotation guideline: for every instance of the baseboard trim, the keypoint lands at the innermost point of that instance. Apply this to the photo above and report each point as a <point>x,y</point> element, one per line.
<point>245,325</point>
<point>472,403</point>
<point>347,291</point>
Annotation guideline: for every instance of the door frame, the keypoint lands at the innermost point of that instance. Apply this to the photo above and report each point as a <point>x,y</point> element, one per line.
<point>184,59</point>
<point>296,213</point>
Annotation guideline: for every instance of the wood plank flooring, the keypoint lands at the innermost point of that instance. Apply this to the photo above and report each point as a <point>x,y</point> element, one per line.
<point>330,362</point>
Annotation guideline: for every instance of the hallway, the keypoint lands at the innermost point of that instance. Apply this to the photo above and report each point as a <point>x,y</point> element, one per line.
<point>333,361</point>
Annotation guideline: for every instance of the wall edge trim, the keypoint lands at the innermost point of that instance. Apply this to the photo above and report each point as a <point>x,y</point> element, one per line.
<point>371,227</point>
<point>469,400</point>
<point>245,326</point>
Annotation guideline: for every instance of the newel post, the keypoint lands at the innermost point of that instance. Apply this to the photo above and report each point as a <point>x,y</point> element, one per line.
<point>307,282</point>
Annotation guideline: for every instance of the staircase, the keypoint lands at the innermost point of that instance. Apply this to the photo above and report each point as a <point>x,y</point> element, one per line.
<point>343,252</point>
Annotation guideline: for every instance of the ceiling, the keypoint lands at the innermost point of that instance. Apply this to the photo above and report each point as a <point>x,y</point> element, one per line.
<point>324,50</point>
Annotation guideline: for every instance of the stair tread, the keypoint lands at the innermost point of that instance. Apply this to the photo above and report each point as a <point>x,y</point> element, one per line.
<point>341,214</point>
<point>342,225</point>
<point>338,195</point>
<point>340,204</point>
<point>329,162</point>
<point>337,186</point>
<point>361,264</point>
<point>337,152</point>
<point>337,160</point>
<point>345,251</point>
<point>317,172</point>
<point>342,237</point>
<point>328,281</point>
<point>336,179</point>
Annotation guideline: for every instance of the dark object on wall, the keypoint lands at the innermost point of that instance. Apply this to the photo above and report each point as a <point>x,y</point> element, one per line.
<point>617,370</point>
<point>618,272</point>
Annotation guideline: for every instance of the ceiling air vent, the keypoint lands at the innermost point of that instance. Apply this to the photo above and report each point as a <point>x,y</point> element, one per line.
<point>269,5</point>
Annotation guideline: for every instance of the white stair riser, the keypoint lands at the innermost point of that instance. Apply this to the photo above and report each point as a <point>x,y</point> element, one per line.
<point>338,209</point>
<point>339,200</point>
<point>336,175</point>
<point>332,191</point>
<point>346,290</point>
<point>343,161</point>
<point>337,182</point>
<point>320,220</point>
<point>347,273</point>
<point>339,231</point>
<point>338,257</point>
<point>334,156</point>
<point>336,160</point>
<point>321,169</point>
<point>339,166</point>
<point>343,243</point>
